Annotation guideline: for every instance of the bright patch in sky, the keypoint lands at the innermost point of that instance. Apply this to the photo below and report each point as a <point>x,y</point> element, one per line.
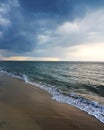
<point>21,58</point>
<point>87,52</point>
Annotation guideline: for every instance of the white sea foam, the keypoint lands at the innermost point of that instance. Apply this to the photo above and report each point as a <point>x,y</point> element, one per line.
<point>12,75</point>
<point>91,107</point>
<point>25,78</point>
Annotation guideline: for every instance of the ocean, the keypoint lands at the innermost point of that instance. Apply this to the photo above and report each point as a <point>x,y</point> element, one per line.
<point>80,84</point>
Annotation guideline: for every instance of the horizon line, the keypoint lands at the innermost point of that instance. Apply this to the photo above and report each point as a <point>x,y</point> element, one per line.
<point>47,61</point>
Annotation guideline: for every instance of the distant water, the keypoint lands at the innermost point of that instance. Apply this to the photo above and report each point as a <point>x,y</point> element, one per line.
<point>80,84</point>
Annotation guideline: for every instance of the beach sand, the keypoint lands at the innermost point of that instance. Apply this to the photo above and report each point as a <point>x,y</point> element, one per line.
<point>26,107</point>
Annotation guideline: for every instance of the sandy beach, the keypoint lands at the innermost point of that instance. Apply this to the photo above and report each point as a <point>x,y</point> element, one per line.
<point>26,107</point>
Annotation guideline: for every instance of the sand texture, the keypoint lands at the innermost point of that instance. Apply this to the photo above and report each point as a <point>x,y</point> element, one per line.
<point>26,107</point>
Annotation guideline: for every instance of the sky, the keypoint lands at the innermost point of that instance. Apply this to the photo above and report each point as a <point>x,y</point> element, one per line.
<point>52,30</point>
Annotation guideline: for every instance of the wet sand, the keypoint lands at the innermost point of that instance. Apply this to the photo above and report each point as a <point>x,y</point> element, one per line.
<point>25,107</point>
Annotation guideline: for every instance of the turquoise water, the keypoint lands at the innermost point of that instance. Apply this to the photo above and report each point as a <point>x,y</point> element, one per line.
<point>78,83</point>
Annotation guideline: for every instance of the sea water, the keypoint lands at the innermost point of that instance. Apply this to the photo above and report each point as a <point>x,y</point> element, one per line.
<point>80,84</point>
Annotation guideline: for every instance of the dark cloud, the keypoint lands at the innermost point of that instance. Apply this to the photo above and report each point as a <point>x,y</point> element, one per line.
<point>22,20</point>
<point>65,9</point>
<point>18,33</point>
<point>40,5</point>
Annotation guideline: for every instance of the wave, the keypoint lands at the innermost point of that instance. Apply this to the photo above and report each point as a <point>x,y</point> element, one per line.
<point>91,107</point>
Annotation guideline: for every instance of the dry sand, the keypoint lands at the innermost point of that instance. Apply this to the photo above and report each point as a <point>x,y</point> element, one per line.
<point>25,107</point>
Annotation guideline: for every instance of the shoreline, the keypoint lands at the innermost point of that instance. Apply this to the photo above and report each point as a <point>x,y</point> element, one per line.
<point>23,106</point>
<point>90,106</point>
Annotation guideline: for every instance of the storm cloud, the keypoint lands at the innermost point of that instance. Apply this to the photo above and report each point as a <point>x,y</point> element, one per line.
<point>31,28</point>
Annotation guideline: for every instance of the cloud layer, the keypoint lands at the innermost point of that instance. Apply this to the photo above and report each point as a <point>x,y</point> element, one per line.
<point>46,28</point>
